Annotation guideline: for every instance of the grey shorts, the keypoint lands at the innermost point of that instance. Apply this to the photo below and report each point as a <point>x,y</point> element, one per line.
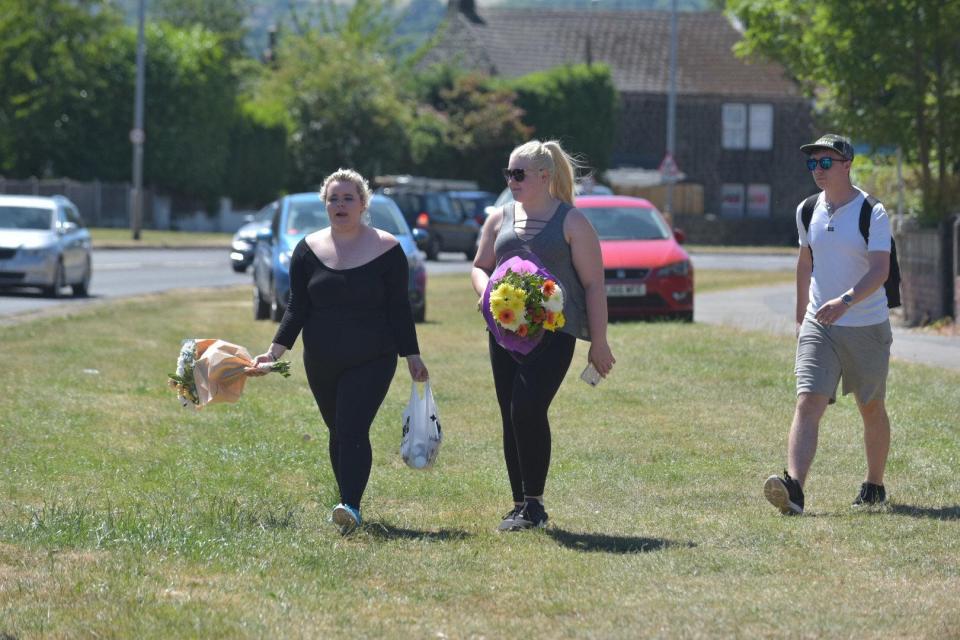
<point>859,355</point>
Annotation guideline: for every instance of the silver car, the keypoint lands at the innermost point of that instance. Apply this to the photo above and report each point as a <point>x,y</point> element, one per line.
<point>43,243</point>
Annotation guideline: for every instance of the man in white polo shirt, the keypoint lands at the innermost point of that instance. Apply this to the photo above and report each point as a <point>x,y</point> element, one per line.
<point>843,326</point>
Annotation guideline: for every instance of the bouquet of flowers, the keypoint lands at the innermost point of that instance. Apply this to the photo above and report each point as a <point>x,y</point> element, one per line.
<point>211,370</point>
<point>522,300</point>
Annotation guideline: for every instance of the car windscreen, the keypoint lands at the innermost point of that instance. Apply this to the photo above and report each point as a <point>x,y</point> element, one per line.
<point>626,223</point>
<point>383,216</point>
<point>25,218</point>
<point>307,217</point>
<point>474,205</point>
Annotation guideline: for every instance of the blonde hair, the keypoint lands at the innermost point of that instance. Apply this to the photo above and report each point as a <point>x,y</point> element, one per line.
<point>562,166</point>
<point>348,175</point>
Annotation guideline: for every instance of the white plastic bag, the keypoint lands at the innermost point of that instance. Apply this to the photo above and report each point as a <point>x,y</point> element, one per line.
<point>421,429</point>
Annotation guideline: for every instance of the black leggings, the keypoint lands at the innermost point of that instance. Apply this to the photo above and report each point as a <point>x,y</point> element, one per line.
<point>349,399</point>
<point>525,388</point>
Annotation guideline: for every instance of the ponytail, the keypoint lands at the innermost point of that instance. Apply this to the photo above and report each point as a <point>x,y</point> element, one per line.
<point>562,166</point>
<point>563,176</point>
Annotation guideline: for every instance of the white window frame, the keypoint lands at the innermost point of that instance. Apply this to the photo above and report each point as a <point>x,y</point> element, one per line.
<point>760,127</point>
<point>758,212</point>
<point>728,188</point>
<point>734,125</point>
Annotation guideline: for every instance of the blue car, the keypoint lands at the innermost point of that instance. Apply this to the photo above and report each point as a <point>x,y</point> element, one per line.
<point>298,214</point>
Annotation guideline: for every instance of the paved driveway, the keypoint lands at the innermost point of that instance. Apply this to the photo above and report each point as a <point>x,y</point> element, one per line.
<point>772,308</point>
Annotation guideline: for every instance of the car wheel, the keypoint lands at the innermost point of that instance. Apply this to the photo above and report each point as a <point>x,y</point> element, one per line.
<point>433,248</point>
<point>276,309</point>
<point>82,288</point>
<point>685,316</point>
<point>239,268</point>
<point>56,289</point>
<point>261,308</point>
<point>420,314</point>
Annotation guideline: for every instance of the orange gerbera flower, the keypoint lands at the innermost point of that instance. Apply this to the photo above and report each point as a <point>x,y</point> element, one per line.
<point>549,287</point>
<point>522,330</point>
<point>506,316</point>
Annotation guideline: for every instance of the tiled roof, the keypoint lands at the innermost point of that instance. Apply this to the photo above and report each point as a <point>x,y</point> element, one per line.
<point>515,42</point>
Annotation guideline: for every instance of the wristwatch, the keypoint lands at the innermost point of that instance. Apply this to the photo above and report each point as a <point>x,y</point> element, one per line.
<point>846,299</point>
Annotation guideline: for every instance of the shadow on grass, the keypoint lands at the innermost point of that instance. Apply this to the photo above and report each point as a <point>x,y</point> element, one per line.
<point>383,531</point>
<point>934,513</point>
<point>611,544</point>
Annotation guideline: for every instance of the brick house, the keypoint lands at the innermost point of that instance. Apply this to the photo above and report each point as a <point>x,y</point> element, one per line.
<point>739,124</point>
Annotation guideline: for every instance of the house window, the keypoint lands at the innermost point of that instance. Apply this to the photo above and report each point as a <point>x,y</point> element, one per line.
<point>748,126</point>
<point>734,126</point>
<point>731,200</point>
<point>758,200</point>
<point>761,126</point>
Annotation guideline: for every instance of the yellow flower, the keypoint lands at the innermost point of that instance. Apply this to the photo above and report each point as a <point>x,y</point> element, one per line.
<point>554,321</point>
<point>507,306</point>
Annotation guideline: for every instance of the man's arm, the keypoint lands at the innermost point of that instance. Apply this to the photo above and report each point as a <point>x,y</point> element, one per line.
<point>804,271</point>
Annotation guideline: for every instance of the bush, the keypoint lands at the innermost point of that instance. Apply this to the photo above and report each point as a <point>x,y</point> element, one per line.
<point>574,104</point>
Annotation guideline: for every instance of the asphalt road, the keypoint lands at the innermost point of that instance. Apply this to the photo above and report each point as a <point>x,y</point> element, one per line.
<point>121,273</point>
<point>771,309</point>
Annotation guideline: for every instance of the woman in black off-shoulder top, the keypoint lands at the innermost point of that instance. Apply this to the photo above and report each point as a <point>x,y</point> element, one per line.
<point>348,299</point>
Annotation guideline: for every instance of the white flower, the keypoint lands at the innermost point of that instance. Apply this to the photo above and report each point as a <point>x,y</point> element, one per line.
<point>555,302</point>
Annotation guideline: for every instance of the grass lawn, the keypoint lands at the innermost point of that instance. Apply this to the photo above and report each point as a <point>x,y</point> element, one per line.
<point>124,516</point>
<point>123,238</point>
<point>709,280</point>
<point>780,250</point>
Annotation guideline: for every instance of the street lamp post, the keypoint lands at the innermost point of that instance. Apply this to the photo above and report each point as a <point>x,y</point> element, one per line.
<point>672,102</point>
<point>137,136</point>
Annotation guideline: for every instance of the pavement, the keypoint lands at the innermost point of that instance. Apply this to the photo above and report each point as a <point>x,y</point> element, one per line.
<point>771,309</point>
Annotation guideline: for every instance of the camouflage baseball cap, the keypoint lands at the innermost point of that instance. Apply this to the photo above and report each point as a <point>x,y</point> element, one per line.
<point>833,142</point>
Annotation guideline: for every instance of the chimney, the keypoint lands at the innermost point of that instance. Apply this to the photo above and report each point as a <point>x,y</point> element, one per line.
<point>467,7</point>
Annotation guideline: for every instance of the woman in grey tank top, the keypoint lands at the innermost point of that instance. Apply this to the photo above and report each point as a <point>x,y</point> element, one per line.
<point>544,222</point>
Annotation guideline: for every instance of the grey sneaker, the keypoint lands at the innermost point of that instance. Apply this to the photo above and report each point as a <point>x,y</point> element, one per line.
<point>531,516</point>
<point>346,518</point>
<point>507,521</point>
<point>871,495</point>
<point>784,493</point>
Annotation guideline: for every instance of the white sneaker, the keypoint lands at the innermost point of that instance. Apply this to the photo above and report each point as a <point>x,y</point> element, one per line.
<point>346,518</point>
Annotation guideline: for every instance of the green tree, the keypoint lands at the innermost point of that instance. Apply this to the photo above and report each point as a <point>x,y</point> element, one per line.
<point>222,17</point>
<point>888,75</point>
<point>190,109</point>
<point>335,88</point>
<point>50,87</point>
<point>575,104</point>
<point>466,126</point>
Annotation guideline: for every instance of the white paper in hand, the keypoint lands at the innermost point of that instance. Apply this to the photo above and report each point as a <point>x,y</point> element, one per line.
<point>422,435</point>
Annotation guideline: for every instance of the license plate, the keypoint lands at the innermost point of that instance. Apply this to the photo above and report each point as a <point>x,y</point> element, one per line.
<point>625,290</point>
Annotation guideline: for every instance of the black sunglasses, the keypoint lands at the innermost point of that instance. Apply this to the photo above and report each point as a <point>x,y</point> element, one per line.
<point>825,163</point>
<point>517,175</point>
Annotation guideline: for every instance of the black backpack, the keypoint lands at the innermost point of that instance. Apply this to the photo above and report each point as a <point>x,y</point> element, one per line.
<point>892,285</point>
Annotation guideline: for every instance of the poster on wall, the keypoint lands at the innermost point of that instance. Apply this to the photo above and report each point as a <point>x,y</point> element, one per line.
<point>758,200</point>
<point>731,200</point>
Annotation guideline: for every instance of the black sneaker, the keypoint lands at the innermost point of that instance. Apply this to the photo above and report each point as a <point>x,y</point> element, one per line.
<point>870,495</point>
<point>507,521</point>
<point>784,493</point>
<point>531,516</point>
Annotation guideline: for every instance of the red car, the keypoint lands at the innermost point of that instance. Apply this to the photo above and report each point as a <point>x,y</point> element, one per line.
<point>647,271</point>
